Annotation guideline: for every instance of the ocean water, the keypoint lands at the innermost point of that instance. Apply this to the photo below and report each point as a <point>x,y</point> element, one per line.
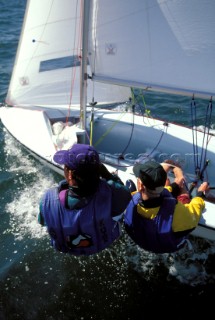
<point>122,282</point>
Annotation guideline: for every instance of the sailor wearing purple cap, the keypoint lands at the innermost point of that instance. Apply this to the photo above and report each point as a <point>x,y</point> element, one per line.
<point>154,219</point>
<point>83,214</point>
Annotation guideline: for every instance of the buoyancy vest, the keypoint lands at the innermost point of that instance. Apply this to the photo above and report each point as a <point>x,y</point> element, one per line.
<point>155,234</point>
<point>82,231</point>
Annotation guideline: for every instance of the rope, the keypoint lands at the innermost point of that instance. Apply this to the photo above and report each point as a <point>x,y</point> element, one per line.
<point>104,135</point>
<point>134,102</point>
<point>146,111</point>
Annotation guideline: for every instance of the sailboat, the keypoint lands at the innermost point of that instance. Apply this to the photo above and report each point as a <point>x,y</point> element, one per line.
<point>77,59</point>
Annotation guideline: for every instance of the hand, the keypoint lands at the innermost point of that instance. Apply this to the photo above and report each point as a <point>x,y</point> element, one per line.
<point>204,187</point>
<point>170,165</point>
<point>180,181</point>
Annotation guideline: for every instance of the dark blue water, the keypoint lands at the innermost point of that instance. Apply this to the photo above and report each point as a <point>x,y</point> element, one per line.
<point>121,283</point>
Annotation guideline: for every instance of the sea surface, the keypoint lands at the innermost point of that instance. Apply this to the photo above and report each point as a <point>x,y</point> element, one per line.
<point>122,282</point>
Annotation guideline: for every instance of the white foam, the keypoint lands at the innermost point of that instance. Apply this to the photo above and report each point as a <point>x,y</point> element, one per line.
<point>187,266</point>
<point>24,208</point>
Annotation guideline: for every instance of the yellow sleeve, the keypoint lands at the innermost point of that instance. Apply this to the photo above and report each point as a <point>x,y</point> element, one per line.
<point>187,216</point>
<point>169,188</point>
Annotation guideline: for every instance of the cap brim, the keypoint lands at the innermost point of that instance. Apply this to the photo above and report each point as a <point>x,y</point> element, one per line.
<point>137,168</point>
<point>59,157</point>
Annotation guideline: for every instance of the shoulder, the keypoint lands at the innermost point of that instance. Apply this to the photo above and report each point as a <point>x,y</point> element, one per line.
<point>118,186</point>
<point>169,188</point>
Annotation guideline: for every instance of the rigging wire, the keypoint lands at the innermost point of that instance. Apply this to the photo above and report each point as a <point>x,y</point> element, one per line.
<point>134,103</point>
<point>194,134</point>
<point>206,132</point>
<point>121,156</point>
<point>202,163</point>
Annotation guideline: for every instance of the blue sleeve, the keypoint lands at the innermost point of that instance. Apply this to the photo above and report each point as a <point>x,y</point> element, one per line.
<point>121,197</point>
<point>40,218</point>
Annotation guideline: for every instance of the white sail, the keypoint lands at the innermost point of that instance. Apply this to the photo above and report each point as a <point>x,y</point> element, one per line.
<point>166,45</point>
<point>45,71</point>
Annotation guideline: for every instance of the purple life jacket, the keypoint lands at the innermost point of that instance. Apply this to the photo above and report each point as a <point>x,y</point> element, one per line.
<point>82,231</point>
<point>155,234</point>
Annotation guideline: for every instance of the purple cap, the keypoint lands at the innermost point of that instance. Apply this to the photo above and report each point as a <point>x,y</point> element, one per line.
<point>80,157</point>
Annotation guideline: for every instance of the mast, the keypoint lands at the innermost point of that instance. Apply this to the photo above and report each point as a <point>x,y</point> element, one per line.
<point>83,69</point>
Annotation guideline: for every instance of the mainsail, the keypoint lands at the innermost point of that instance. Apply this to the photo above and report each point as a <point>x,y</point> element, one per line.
<point>163,45</point>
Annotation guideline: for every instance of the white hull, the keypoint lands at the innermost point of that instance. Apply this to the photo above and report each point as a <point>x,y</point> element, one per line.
<point>111,135</point>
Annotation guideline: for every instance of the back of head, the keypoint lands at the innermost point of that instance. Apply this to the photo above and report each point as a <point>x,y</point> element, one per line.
<point>152,175</point>
<point>84,162</point>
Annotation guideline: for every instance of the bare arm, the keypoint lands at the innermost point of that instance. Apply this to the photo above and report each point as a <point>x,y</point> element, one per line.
<point>169,165</point>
